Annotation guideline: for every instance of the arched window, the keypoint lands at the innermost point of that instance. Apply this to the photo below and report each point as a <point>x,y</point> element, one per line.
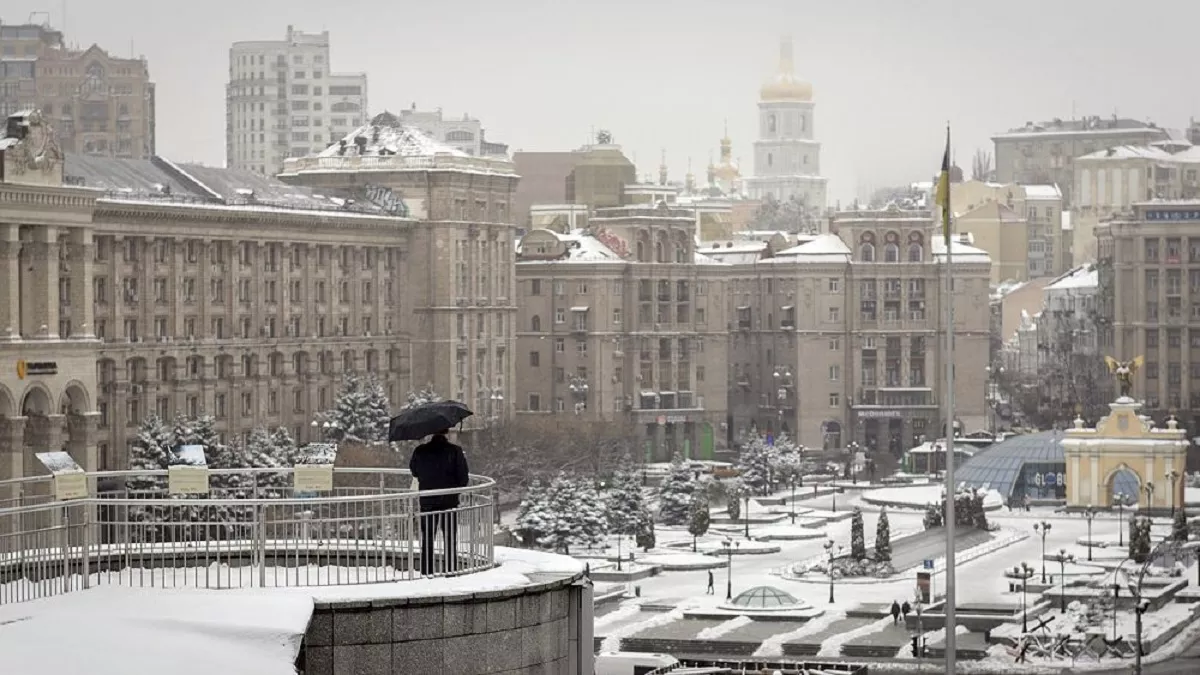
<point>659,254</point>
<point>535,324</point>
<point>680,253</point>
<point>770,124</point>
<point>459,135</point>
<point>641,251</point>
<point>916,253</point>
<point>891,252</point>
<point>866,252</point>
<point>770,159</point>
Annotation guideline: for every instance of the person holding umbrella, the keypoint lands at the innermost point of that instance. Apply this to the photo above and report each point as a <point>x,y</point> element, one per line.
<point>437,464</point>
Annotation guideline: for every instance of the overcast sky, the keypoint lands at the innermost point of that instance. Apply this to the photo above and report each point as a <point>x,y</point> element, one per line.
<point>665,74</point>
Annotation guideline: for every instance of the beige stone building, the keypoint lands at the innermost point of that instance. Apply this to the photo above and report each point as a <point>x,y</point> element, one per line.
<point>1044,153</point>
<point>1149,288</point>
<point>994,215</point>
<point>837,339</point>
<point>99,104</point>
<point>149,287</point>
<point>1003,233</point>
<point>625,323</point>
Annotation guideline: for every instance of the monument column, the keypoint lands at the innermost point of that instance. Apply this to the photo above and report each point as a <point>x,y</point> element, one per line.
<point>39,284</point>
<point>80,253</point>
<point>10,281</point>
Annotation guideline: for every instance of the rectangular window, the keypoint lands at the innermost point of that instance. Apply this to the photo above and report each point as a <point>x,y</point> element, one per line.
<point>535,402</point>
<point>535,359</point>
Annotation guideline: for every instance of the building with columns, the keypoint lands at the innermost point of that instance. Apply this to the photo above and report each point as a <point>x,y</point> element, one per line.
<point>787,158</point>
<point>137,287</point>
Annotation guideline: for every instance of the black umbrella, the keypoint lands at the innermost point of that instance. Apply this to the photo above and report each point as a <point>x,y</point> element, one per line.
<point>425,419</point>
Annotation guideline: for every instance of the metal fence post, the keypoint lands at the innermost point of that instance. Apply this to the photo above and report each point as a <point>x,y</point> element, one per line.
<point>86,544</point>
<point>65,519</point>
<point>262,545</point>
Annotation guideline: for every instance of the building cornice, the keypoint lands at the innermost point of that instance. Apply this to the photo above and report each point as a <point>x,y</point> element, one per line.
<point>19,195</point>
<point>124,212</point>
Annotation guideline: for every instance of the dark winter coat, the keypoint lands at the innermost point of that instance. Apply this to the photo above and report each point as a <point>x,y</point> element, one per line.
<point>895,608</point>
<point>905,608</point>
<point>439,465</point>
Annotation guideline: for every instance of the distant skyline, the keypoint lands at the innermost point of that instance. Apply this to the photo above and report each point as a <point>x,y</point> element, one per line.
<point>666,74</point>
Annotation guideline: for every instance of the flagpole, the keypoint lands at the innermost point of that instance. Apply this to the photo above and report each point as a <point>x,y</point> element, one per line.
<point>951,641</point>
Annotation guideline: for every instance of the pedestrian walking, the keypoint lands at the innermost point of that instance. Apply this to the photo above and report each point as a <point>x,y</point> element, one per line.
<point>710,583</point>
<point>905,609</point>
<point>895,612</point>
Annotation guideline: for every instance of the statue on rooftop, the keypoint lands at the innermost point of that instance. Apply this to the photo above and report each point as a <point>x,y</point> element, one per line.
<point>1123,371</point>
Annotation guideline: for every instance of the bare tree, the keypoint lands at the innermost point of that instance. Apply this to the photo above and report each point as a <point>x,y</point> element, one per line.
<point>981,165</point>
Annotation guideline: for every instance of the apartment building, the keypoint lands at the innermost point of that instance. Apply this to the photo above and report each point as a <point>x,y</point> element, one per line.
<point>1044,153</point>
<point>626,323</point>
<point>284,100</point>
<point>837,339</point>
<point>1149,293</point>
<point>99,104</point>
<point>131,287</point>
<point>466,133</point>
<point>1020,226</point>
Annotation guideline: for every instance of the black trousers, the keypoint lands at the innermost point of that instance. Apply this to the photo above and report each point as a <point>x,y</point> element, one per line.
<point>431,521</point>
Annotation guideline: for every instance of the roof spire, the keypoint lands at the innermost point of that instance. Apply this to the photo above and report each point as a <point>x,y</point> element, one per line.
<point>786,61</point>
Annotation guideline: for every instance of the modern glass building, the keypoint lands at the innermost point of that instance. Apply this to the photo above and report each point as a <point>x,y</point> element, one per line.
<point>1030,465</point>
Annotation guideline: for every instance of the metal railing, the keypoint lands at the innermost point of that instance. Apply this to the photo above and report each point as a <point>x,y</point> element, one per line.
<point>251,530</point>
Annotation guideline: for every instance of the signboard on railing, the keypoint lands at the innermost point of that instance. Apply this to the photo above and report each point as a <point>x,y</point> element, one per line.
<point>70,480</point>
<point>187,470</point>
<point>313,472</point>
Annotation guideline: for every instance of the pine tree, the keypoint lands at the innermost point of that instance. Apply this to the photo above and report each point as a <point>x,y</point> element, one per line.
<point>421,396</point>
<point>361,411</point>
<point>562,500</point>
<point>589,520</point>
<point>626,506</point>
<point>858,543</point>
<point>1141,544</point>
<point>698,517</point>
<point>934,516</point>
<point>149,451</point>
<point>754,466</point>
<point>645,536</point>
<point>1179,526</point>
<point>978,513</point>
<point>883,538</point>
<point>532,515</point>
<point>1135,532</point>
<point>675,493</point>
<point>735,492</point>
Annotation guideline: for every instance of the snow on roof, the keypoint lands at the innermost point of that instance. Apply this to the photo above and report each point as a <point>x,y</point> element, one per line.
<point>1042,192</point>
<point>824,248</point>
<point>1191,155</point>
<point>1128,152</point>
<point>701,259</point>
<point>1080,278</point>
<point>386,135</point>
<point>962,252</point>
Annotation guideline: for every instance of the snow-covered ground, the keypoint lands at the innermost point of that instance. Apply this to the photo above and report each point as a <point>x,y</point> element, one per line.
<point>124,630</point>
<point>918,496</point>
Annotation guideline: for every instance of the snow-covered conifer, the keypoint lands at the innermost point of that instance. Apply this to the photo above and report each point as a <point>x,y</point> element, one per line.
<point>149,451</point>
<point>933,516</point>
<point>675,493</point>
<point>883,538</point>
<point>590,520</point>
<point>421,396</point>
<point>361,411</point>
<point>645,537</point>
<point>858,543</point>
<point>754,465</point>
<point>1179,526</point>
<point>533,514</point>
<point>626,505</point>
<point>562,499</point>
<point>698,517</point>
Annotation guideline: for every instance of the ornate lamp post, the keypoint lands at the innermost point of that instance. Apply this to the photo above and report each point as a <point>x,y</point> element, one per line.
<point>795,472</point>
<point>729,546</point>
<point>327,427</point>
<point>1172,476</point>
<point>852,449</point>
<point>830,551</point>
<point>1089,513</point>
<point>1148,488</point>
<point>1120,499</point>
<point>1043,528</point>
<point>1023,572</point>
<point>746,515</point>
<point>1063,558</point>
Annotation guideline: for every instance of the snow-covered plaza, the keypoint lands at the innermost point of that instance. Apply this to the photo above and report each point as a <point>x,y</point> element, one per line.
<point>674,611</point>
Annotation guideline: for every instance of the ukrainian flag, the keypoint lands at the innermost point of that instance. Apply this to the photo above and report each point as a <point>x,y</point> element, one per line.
<point>943,190</point>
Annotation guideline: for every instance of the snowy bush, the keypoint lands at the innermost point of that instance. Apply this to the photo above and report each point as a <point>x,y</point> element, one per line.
<point>569,513</point>
<point>883,538</point>
<point>421,396</point>
<point>626,505</point>
<point>361,411</point>
<point>858,543</point>
<point>533,517</point>
<point>149,451</point>
<point>1179,526</point>
<point>934,516</point>
<point>849,568</point>
<point>675,493</point>
<point>645,536</point>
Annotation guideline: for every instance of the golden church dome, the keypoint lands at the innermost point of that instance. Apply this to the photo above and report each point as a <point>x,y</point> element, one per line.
<point>785,86</point>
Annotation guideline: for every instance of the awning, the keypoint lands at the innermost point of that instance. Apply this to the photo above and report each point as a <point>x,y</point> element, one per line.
<point>581,308</point>
<point>787,308</point>
<point>744,308</point>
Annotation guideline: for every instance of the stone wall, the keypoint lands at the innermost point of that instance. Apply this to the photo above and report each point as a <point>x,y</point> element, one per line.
<point>534,630</point>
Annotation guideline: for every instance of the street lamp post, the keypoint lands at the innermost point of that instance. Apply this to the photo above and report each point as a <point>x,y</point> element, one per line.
<point>1089,513</point>
<point>326,428</point>
<point>852,449</point>
<point>830,552</point>
<point>746,516</point>
<point>1148,488</point>
<point>1043,528</point>
<point>1116,589</point>
<point>1172,476</point>
<point>793,498</point>
<point>1023,572</point>
<point>1063,558</point>
<point>729,546</point>
<point>1120,498</point>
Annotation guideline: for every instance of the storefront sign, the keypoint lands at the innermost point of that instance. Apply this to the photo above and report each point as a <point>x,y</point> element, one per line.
<point>877,414</point>
<point>312,478</point>
<point>28,368</point>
